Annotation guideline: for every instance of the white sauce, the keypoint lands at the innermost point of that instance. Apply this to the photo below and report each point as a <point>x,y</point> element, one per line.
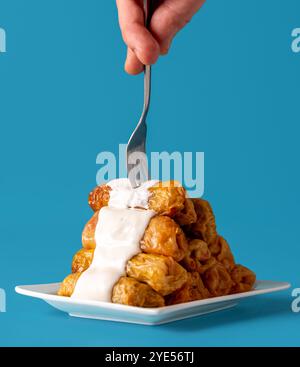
<point>117,236</point>
<point>123,195</point>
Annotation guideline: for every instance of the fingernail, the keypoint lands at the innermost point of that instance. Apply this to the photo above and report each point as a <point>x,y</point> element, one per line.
<point>164,51</point>
<point>165,47</point>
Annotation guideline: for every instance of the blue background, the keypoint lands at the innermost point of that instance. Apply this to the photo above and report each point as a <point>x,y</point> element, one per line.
<point>229,87</point>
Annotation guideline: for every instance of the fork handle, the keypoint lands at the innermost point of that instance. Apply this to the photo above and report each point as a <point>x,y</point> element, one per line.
<point>147,68</point>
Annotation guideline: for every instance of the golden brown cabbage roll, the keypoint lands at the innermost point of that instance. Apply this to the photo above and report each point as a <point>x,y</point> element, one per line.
<point>197,255</point>
<point>205,227</point>
<point>99,197</point>
<point>192,290</point>
<point>163,236</point>
<point>187,215</point>
<point>68,285</point>
<point>225,255</point>
<point>217,280</point>
<point>207,265</point>
<point>166,198</point>
<point>243,278</point>
<point>215,247</point>
<point>162,273</point>
<point>88,234</point>
<point>82,260</point>
<point>129,291</point>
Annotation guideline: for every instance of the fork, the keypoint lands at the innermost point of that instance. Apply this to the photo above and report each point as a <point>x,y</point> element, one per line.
<point>137,165</point>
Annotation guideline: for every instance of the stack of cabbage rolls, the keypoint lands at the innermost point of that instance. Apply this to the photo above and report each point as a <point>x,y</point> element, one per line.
<point>182,257</point>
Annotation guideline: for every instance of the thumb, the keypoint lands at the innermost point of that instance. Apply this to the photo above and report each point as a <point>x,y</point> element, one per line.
<point>169,18</point>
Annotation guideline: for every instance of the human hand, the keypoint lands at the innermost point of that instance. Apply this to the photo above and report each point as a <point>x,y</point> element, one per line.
<point>144,46</point>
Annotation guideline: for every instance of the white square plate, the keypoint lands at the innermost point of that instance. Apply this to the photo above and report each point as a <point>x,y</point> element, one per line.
<point>139,315</point>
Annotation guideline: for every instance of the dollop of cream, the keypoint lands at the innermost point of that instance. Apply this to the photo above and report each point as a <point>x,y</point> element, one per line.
<point>123,195</point>
<point>118,234</point>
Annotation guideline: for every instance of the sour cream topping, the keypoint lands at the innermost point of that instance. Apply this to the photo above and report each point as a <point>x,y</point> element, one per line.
<point>119,229</point>
<point>123,195</point>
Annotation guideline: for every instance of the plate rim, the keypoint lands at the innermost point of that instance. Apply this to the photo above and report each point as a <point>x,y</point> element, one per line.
<point>23,290</point>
